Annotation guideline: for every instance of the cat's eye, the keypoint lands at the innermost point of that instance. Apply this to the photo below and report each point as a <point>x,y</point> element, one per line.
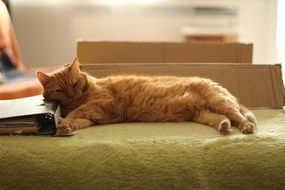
<point>60,90</point>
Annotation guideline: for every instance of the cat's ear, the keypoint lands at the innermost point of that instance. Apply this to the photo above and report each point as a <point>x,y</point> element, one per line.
<point>42,77</point>
<point>75,66</point>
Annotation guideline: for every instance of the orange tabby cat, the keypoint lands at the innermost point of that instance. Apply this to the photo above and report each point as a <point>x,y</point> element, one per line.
<point>86,101</point>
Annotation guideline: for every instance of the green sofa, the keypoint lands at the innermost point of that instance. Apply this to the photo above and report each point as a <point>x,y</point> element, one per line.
<point>154,156</point>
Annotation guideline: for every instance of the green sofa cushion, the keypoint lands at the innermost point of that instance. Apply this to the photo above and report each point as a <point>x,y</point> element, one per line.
<point>155,156</point>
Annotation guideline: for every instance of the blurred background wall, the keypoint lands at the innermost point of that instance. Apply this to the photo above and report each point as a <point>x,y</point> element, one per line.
<point>47,30</point>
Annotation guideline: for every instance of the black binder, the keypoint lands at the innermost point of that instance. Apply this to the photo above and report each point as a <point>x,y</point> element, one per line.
<point>29,116</point>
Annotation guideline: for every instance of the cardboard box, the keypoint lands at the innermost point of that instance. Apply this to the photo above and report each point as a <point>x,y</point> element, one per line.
<point>254,85</point>
<point>168,52</point>
<point>226,63</point>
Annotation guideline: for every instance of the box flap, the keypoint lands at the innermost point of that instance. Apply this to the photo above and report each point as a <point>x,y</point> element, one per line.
<point>163,52</point>
<point>253,85</point>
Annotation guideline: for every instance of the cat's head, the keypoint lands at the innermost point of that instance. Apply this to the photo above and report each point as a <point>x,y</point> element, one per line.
<point>66,85</point>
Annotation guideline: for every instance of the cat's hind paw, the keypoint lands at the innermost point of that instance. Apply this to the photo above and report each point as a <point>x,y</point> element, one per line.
<point>247,128</point>
<point>225,127</point>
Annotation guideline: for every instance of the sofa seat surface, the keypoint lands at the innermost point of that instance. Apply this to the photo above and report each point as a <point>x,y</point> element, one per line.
<point>182,155</point>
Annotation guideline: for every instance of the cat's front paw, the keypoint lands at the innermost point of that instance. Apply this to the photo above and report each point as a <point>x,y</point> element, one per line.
<point>66,127</point>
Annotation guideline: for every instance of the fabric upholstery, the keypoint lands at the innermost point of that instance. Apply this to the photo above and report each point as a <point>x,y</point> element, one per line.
<point>149,156</point>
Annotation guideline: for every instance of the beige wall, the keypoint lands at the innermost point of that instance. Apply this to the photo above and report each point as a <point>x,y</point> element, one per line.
<point>47,31</point>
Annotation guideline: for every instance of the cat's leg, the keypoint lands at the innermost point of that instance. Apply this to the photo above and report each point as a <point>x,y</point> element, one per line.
<point>248,114</point>
<point>75,120</point>
<point>85,116</point>
<point>239,120</point>
<point>247,125</point>
<point>231,109</point>
<point>217,121</point>
<point>68,125</point>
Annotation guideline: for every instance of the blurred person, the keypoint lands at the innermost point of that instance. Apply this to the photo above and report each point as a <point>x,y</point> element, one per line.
<point>11,66</point>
